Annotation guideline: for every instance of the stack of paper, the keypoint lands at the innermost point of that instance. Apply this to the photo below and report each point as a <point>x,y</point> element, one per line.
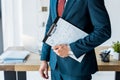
<point>13,56</point>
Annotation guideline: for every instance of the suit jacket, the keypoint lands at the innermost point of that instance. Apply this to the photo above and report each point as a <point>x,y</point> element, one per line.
<point>90,16</point>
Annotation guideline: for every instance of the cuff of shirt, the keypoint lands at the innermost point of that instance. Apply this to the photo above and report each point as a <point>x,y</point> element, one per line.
<point>70,51</point>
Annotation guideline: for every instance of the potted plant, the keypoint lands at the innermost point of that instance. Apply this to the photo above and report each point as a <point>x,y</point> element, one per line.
<point>116,47</point>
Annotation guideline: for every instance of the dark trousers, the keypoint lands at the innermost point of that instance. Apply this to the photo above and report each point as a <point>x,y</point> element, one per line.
<point>56,75</point>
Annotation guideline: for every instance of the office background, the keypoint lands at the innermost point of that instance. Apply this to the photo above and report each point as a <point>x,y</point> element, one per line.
<point>24,21</point>
<point>1,37</point>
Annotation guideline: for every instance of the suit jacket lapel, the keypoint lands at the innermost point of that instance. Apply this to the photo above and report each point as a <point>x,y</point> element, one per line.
<point>54,7</point>
<point>68,7</point>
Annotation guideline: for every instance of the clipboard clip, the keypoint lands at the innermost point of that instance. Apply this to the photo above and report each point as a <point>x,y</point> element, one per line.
<point>52,29</point>
<point>50,32</point>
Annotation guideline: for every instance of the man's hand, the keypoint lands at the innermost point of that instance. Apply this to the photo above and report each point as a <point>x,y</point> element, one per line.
<point>61,50</point>
<point>44,69</point>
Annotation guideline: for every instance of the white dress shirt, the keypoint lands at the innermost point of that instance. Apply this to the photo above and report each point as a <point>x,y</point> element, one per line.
<point>66,2</point>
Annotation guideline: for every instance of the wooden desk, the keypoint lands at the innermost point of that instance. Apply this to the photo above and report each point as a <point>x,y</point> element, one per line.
<point>33,63</point>
<point>113,65</point>
<point>18,71</point>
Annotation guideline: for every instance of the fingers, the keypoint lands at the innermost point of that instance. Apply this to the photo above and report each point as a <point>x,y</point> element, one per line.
<point>44,71</point>
<point>61,50</point>
<point>56,47</point>
<point>42,74</point>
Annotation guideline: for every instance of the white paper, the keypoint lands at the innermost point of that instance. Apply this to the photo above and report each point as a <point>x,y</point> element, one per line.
<point>66,33</point>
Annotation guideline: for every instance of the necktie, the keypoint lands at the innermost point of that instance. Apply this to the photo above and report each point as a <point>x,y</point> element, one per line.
<point>61,4</point>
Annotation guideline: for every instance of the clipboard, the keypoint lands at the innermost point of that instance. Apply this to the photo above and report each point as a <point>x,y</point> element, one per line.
<point>63,32</point>
<point>51,30</point>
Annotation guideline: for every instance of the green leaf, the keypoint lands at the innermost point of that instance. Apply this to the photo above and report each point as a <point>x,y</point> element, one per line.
<point>116,46</point>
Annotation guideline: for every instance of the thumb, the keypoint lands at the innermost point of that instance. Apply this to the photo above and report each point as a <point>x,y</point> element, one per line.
<point>46,73</point>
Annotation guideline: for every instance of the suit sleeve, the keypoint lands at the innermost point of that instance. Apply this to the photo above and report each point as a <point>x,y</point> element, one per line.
<point>46,48</point>
<point>102,29</point>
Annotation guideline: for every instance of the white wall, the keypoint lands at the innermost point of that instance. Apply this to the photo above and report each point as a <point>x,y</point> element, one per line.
<point>33,19</point>
<point>11,20</point>
<point>23,23</point>
<point>7,20</point>
<point>114,13</point>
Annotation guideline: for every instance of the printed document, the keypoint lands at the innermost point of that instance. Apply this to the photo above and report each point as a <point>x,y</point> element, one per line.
<point>64,32</point>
